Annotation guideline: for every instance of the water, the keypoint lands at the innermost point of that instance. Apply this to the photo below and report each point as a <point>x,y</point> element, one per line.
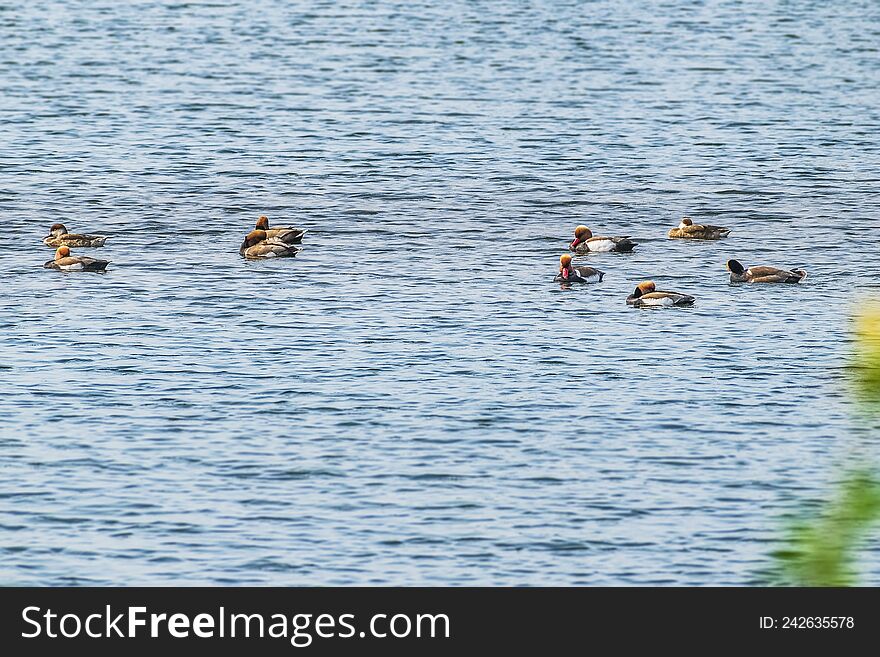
<point>412,400</point>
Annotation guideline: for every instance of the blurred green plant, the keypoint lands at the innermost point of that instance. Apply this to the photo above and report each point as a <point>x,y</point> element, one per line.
<point>820,547</point>
<point>820,550</point>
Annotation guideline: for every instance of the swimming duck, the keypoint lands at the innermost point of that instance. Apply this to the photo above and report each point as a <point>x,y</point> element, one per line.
<point>65,262</point>
<point>58,236</point>
<point>687,229</point>
<point>257,245</point>
<point>584,242</point>
<point>646,295</point>
<point>739,274</point>
<point>569,274</point>
<point>287,234</point>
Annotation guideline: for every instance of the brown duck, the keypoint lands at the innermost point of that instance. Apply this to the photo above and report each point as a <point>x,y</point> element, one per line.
<point>258,245</point>
<point>688,230</point>
<point>739,274</point>
<point>58,236</point>
<point>286,234</point>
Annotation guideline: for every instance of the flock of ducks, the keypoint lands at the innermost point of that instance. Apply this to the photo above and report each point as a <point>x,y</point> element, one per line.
<point>284,241</point>
<point>646,294</point>
<point>262,242</point>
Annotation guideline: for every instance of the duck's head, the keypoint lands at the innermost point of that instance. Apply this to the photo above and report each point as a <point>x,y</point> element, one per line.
<point>565,265</point>
<point>685,222</point>
<point>57,229</point>
<point>253,237</point>
<point>62,252</point>
<point>646,287</point>
<point>581,234</point>
<point>735,267</point>
<point>262,223</point>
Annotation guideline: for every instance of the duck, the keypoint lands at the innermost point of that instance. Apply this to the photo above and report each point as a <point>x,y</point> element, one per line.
<point>258,245</point>
<point>687,229</point>
<point>584,242</point>
<point>569,274</point>
<point>287,234</point>
<point>63,261</point>
<point>739,274</point>
<point>646,295</point>
<point>58,236</point>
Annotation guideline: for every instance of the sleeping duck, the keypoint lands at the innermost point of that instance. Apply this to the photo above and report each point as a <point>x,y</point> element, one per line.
<point>287,234</point>
<point>739,274</point>
<point>257,245</point>
<point>584,242</point>
<point>569,274</point>
<point>646,295</point>
<point>65,262</point>
<point>687,229</point>
<point>58,236</point>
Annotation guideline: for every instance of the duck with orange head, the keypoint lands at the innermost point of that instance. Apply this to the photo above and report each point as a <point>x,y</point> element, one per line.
<point>64,261</point>
<point>258,245</point>
<point>585,242</point>
<point>286,234</point>
<point>571,274</point>
<point>646,295</point>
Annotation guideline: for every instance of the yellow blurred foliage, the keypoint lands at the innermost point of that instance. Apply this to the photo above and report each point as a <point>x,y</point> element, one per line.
<point>820,547</point>
<point>867,350</point>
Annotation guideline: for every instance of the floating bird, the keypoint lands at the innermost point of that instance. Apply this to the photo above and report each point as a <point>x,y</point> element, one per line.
<point>286,234</point>
<point>58,236</point>
<point>65,262</point>
<point>647,296</point>
<point>257,245</point>
<point>584,242</point>
<point>739,274</point>
<point>569,274</point>
<point>687,229</point>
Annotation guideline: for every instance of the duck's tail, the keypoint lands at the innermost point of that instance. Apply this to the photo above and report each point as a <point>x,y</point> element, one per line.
<point>292,236</point>
<point>625,245</point>
<point>97,265</point>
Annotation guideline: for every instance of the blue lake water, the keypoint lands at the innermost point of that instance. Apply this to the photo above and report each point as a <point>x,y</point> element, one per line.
<point>412,400</point>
